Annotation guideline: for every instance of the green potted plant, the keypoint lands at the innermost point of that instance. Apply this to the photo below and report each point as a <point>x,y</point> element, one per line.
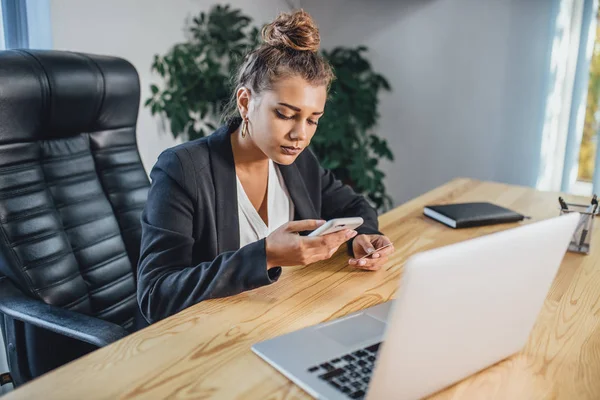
<point>196,85</point>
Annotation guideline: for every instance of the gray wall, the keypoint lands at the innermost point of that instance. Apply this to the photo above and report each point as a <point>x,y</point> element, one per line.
<point>469,83</point>
<point>468,75</point>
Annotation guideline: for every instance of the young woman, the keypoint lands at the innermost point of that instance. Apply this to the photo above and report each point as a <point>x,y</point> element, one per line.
<point>224,212</point>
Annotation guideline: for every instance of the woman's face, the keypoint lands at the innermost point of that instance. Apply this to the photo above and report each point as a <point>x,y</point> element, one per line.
<point>283,120</point>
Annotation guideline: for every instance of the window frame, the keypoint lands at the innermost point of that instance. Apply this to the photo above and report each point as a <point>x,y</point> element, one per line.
<point>2,40</point>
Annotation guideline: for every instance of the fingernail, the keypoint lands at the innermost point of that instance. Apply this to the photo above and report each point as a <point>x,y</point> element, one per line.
<point>362,262</point>
<point>320,222</point>
<point>350,234</point>
<point>370,250</point>
<point>352,261</point>
<point>376,255</point>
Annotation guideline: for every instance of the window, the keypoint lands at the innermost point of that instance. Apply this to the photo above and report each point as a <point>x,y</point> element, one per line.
<point>15,24</point>
<point>2,44</point>
<point>589,139</point>
<point>578,110</point>
<point>26,24</point>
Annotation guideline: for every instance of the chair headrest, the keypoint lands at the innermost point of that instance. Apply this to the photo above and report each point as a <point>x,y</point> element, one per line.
<point>50,94</point>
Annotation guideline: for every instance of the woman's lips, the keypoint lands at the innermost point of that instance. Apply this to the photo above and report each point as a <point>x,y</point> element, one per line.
<point>290,150</point>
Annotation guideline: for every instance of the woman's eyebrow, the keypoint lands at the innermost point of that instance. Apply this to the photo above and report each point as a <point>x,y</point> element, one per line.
<point>297,109</point>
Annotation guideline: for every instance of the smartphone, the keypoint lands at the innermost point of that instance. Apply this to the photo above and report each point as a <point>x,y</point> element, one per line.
<point>336,225</point>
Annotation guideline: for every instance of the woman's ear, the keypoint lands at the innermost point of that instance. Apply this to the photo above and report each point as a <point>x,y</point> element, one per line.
<point>243,101</point>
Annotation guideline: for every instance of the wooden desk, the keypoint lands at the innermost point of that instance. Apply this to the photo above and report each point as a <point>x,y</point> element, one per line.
<point>204,351</point>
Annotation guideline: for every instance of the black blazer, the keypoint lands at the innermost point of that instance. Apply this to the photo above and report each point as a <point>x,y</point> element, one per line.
<point>190,229</point>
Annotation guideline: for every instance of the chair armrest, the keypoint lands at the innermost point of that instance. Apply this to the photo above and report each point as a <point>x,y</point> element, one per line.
<point>17,305</point>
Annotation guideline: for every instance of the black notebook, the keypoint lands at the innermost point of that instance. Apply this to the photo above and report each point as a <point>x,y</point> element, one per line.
<point>464,215</point>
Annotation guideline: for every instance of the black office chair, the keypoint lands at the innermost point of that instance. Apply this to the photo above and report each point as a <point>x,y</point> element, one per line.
<point>72,188</point>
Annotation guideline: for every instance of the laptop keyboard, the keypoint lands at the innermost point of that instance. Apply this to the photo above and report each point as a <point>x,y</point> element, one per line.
<point>351,373</point>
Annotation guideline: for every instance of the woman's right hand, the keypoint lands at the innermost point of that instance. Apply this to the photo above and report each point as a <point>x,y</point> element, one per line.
<point>285,247</point>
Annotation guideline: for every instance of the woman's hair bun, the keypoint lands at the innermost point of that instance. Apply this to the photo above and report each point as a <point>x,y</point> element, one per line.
<point>296,30</point>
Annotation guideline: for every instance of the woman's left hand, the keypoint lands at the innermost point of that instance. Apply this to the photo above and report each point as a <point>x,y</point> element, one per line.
<point>367,244</point>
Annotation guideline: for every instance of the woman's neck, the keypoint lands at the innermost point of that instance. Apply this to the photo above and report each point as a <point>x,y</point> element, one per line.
<point>246,155</point>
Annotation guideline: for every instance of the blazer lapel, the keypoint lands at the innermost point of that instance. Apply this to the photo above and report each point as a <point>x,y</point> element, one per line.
<point>224,179</point>
<point>303,205</point>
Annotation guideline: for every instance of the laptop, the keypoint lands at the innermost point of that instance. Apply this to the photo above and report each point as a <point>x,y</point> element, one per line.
<point>459,309</point>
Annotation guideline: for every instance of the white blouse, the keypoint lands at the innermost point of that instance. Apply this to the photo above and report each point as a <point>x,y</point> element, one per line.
<point>280,209</point>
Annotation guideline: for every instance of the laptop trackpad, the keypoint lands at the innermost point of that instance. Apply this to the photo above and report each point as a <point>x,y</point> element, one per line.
<point>354,330</point>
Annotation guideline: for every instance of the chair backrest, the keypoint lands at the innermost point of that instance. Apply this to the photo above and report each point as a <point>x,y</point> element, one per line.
<point>72,185</point>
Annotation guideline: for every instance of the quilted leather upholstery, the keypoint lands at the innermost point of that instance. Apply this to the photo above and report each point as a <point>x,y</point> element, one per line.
<point>72,185</point>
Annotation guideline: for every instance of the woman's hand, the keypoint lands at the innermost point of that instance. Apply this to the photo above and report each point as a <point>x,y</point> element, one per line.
<point>285,247</point>
<point>367,244</point>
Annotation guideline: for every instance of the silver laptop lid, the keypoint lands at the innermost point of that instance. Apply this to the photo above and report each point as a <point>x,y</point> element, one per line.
<point>463,307</point>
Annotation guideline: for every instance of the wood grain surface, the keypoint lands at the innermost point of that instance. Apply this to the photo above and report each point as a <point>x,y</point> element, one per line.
<point>204,351</point>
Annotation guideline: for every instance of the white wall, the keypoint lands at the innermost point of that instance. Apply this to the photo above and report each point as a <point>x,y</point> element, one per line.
<point>468,76</point>
<point>468,79</point>
<point>39,29</point>
<point>136,30</point>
